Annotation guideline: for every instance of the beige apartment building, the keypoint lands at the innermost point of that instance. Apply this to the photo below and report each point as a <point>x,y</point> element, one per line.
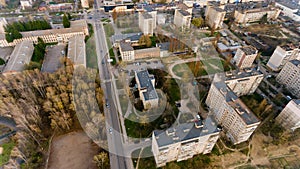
<point>147,22</point>
<point>146,87</point>
<point>50,35</point>
<point>85,3</point>
<point>289,117</point>
<point>243,82</point>
<point>245,57</point>
<point>215,17</point>
<point>76,50</point>
<point>184,141</point>
<point>20,56</point>
<point>253,15</point>
<point>282,55</point>
<point>289,76</point>
<point>182,19</point>
<point>230,112</point>
<point>126,51</point>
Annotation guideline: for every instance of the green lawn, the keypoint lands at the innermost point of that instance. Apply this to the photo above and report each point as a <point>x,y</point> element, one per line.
<point>7,147</point>
<point>109,31</point>
<point>91,55</point>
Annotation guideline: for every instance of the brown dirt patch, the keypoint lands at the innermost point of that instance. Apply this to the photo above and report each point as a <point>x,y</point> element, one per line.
<point>74,150</point>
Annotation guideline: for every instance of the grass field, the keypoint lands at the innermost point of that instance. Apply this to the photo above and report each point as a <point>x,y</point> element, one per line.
<point>91,55</point>
<point>7,147</point>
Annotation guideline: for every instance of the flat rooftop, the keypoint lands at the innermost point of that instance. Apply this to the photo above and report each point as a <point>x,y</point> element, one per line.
<point>126,46</point>
<point>20,56</point>
<point>129,36</point>
<point>147,15</point>
<point>185,131</point>
<point>242,73</point>
<point>249,50</point>
<point>184,13</point>
<point>76,50</point>
<point>145,83</point>
<point>296,62</point>
<point>288,3</point>
<point>240,108</point>
<point>289,47</point>
<point>218,9</point>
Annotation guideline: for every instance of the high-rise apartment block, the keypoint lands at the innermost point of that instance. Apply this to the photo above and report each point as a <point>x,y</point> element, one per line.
<point>182,19</point>
<point>282,55</point>
<point>184,141</point>
<point>245,57</point>
<point>147,22</point>
<point>215,17</point>
<point>230,112</point>
<point>289,76</point>
<point>243,82</point>
<point>289,118</point>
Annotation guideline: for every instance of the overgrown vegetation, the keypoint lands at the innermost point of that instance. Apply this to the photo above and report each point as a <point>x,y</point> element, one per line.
<point>43,104</point>
<point>7,147</point>
<point>66,20</point>
<point>2,62</point>
<point>39,51</point>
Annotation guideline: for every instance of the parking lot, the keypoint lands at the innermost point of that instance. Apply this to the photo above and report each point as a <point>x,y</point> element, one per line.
<point>52,60</point>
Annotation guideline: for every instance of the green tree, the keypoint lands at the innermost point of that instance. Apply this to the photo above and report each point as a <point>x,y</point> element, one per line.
<point>102,160</point>
<point>66,21</point>
<point>145,40</point>
<point>198,22</point>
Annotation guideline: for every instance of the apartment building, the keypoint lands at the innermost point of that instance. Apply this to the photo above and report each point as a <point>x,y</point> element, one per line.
<point>243,16</point>
<point>215,17</point>
<point>26,4</point>
<point>76,50</point>
<point>230,112</point>
<point>20,56</point>
<point>182,19</point>
<point>184,141</point>
<point>243,82</point>
<point>85,3</point>
<point>289,76</point>
<point>289,9</point>
<point>282,55</point>
<point>147,22</point>
<point>126,51</point>
<point>146,87</point>
<point>78,27</point>
<point>289,117</point>
<point>245,57</point>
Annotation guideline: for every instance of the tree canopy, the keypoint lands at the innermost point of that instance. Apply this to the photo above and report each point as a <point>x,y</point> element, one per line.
<point>198,22</point>
<point>66,21</point>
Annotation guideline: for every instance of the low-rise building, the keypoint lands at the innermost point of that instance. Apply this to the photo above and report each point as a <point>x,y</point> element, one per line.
<point>289,117</point>
<point>215,17</point>
<point>244,16</point>
<point>282,55</point>
<point>245,57</point>
<point>147,22</point>
<point>60,7</point>
<point>76,50</point>
<point>230,112</point>
<point>289,76</point>
<point>26,4</point>
<point>243,82</point>
<point>184,141</point>
<point>20,56</point>
<point>147,53</point>
<point>133,38</point>
<point>182,19</point>
<point>289,9</point>
<point>146,87</point>
<point>126,51</point>
<point>50,35</point>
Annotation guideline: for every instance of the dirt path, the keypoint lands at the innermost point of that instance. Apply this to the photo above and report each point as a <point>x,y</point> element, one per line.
<point>72,151</point>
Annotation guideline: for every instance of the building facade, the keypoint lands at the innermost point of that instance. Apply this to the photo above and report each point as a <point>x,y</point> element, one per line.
<point>289,117</point>
<point>243,82</point>
<point>282,55</point>
<point>184,141</point>
<point>245,57</point>
<point>289,76</point>
<point>147,53</point>
<point>50,35</point>
<point>147,22</point>
<point>230,112</point>
<point>126,51</point>
<point>182,19</point>
<point>146,87</point>
<point>253,15</point>
<point>215,17</point>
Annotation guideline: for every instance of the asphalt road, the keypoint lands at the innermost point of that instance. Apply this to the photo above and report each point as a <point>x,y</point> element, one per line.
<point>117,159</point>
